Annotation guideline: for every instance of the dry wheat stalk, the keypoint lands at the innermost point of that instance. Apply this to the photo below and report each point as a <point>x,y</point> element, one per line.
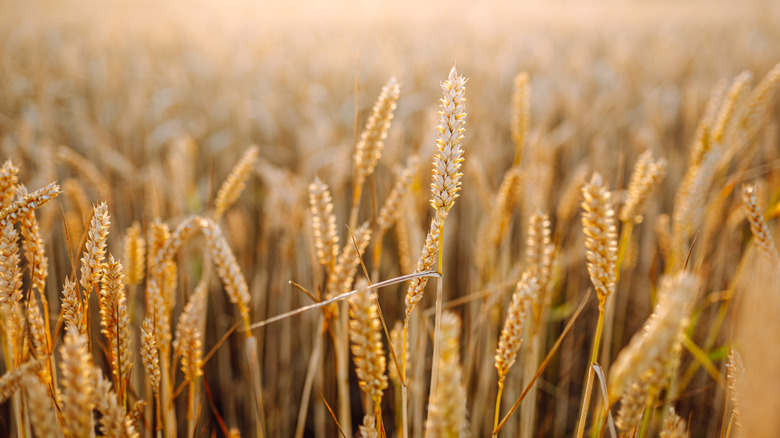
<point>598,223</point>
<point>521,114</point>
<point>646,176</point>
<point>21,207</point>
<point>235,183</point>
<point>757,223</point>
<point>112,416</point>
<point>447,414</point>
<point>42,414</point>
<point>323,223</point>
<point>369,148</point>
<point>135,255</point>
<point>527,291</point>
<point>12,380</point>
<point>674,426</point>
<point>32,243</point>
<point>95,249</point>
<point>77,385</point>
<point>658,344</point>
<point>365,334</point>
<point>8,180</point>
<point>116,323</point>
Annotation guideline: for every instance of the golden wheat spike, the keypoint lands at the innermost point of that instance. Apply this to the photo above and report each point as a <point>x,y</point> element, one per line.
<point>369,148</point>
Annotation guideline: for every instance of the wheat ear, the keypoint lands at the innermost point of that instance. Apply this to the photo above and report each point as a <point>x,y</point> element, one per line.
<point>12,380</point>
<point>369,148</point>
<point>236,182</point>
<point>757,223</point>
<point>116,324</point>
<point>77,385</point>
<point>112,417</point>
<point>41,408</point>
<point>674,426</point>
<point>8,180</point>
<point>598,224</point>
<point>527,292</point>
<point>447,414</point>
<point>365,334</point>
<point>134,255</point>
<point>21,207</point>
<point>521,114</point>
<point>323,223</point>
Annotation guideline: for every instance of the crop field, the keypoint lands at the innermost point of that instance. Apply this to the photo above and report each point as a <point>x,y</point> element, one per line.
<point>389,219</point>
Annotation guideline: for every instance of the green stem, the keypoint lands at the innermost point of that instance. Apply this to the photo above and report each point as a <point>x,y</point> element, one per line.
<point>591,373</point>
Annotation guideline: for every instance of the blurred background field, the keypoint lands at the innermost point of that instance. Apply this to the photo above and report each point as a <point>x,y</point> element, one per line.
<point>148,105</point>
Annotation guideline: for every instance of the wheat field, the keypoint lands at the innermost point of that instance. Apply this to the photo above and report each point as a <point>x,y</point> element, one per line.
<point>375,219</point>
